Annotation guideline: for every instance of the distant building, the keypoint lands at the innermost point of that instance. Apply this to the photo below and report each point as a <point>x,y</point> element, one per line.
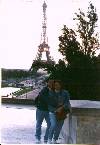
<point>19,85</point>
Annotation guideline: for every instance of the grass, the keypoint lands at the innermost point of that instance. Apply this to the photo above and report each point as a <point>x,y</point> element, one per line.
<point>22,91</point>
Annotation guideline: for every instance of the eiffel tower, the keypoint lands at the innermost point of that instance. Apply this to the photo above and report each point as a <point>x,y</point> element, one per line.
<point>43,47</point>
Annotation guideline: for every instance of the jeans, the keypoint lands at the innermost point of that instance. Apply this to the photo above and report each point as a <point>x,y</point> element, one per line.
<point>55,127</point>
<point>40,116</point>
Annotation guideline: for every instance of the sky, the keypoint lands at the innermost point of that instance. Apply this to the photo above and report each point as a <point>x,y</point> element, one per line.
<point>21,28</point>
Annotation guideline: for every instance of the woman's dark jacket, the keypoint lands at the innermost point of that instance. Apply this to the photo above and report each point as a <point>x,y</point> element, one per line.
<point>62,96</point>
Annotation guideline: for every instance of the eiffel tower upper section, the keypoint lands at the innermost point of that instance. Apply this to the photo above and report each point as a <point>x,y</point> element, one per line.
<point>44,47</point>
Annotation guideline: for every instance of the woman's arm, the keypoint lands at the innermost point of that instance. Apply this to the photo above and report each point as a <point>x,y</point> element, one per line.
<point>67,105</point>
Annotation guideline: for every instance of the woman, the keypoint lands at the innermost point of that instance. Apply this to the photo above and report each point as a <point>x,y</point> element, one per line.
<point>59,100</point>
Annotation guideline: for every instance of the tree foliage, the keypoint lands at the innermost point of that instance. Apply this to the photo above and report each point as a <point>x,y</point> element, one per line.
<point>86,30</point>
<point>14,73</point>
<point>37,64</point>
<point>78,48</point>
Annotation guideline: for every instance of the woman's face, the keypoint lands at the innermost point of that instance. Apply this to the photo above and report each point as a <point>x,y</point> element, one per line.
<point>57,86</point>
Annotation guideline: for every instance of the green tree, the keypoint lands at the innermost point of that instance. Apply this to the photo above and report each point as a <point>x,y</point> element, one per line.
<point>37,64</point>
<point>78,48</point>
<point>86,30</point>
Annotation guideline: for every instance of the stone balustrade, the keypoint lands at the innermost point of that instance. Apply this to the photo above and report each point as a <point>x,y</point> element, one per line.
<point>82,126</point>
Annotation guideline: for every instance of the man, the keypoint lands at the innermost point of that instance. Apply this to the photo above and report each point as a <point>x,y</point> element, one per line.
<point>42,111</point>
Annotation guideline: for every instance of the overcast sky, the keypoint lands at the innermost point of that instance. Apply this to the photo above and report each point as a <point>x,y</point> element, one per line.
<point>21,28</point>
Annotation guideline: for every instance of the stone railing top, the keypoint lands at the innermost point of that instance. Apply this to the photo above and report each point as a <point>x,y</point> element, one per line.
<point>85,104</point>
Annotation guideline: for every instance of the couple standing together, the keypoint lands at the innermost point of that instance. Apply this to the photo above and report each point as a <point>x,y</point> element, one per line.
<point>48,102</point>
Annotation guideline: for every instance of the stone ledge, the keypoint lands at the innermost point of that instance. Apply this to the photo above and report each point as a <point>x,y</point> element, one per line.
<point>94,112</point>
<point>85,108</point>
<point>85,104</point>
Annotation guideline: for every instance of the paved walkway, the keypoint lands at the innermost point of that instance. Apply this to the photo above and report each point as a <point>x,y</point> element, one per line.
<point>18,124</point>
